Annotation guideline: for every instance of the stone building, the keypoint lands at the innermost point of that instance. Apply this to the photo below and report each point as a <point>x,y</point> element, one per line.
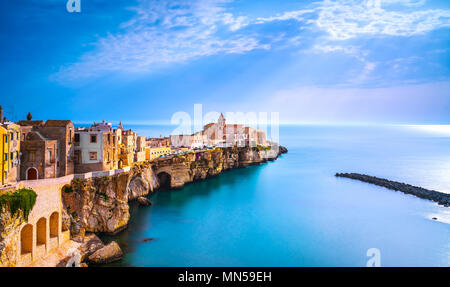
<point>62,131</point>
<point>158,142</point>
<point>39,157</point>
<point>221,134</point>
<point>141,145</point>
<point>96,148</point>
<point>127,148</point>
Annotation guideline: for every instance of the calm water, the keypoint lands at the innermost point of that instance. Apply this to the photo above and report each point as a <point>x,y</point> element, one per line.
<point>294,212</point>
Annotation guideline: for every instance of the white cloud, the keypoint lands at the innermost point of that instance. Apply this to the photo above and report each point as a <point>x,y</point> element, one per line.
<point>348,19</point>
<point>165,32</point>
<point>177,31</point>
<point>290,15</point>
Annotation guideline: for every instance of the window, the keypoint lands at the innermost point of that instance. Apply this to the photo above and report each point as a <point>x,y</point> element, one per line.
<point>77,138</point>
<point>93,156</point>
<point>109,139</point>
<point>32,156</point>
<point>93,138</point>
<point>5,157</point>
<point>6,138</point>
<point>77,156</point>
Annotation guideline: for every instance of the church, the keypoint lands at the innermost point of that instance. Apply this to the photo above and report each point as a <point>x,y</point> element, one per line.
<point>221,134</point>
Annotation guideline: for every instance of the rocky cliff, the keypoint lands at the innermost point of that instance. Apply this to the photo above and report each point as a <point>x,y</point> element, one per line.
<point>9,236</point>
<point>101,204</point>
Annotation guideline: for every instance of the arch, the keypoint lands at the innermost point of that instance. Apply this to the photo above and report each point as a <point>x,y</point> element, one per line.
<point>26,239</point>
<point>165,180</point>
<point>32,173</point>
<point>41,231</point>
<point>54,224</point>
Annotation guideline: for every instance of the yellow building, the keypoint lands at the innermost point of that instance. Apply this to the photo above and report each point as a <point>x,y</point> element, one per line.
<point>10,152</point>
<point>155,152</point>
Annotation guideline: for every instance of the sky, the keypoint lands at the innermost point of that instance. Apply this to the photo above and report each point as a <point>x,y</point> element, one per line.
<point>141,61</point>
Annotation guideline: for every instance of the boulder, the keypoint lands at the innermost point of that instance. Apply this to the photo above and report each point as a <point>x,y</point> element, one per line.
<point>91,244</point>
<point>144,201</point>
<point>282,149</point>
<point>109,253</point>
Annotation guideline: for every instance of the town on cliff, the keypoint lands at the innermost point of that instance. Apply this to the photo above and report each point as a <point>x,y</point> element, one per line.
<point>61,184</point>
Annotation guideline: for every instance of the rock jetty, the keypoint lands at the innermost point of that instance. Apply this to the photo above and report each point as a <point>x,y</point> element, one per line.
<point>436,196</point>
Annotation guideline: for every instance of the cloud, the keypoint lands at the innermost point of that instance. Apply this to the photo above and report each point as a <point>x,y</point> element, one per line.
<point>165,32</point>
<point>348,19</point>
<point>298,15</point>
<point>178,31</point>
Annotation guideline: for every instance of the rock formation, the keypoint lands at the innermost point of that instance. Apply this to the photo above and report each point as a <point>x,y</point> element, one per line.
<point>107,254</point>
<point>439,197</point>
<point>101,204</point>
<point>97,204</point>
<point>9,236</point>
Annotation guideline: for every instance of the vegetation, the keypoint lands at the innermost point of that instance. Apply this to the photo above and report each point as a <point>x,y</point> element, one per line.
<point>22,199</point>
<point>68,189</point>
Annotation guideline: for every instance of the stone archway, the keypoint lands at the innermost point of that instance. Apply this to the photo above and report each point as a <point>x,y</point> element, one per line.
<point>165,180</point>
<point>32,173</point>
<point>54,225</point>
<point>26,239</point>
<point>41,231</point>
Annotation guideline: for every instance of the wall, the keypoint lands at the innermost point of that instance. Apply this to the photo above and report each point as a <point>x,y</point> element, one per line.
<point>86,147</point>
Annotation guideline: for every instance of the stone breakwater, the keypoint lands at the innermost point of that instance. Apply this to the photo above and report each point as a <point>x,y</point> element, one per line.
<point>436,196</point>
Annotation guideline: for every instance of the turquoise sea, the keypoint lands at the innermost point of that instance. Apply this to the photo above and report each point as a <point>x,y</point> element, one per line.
<point>295,212</point>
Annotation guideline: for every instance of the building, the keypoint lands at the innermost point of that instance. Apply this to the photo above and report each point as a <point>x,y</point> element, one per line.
<point>158,142</point>
<point>10,151</point>
<point>127,148</point>
<point>141,145</point>
<point>96,148</point>
<point>221,134</point>
<point>156,152</point>
<point>63,131</point>
<point>39,157</point>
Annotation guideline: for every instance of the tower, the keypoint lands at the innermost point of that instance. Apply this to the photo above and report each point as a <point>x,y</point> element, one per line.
<point>221,121</point>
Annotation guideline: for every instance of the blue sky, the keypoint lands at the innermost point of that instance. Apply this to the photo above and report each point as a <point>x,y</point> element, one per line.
<point>382,61</point>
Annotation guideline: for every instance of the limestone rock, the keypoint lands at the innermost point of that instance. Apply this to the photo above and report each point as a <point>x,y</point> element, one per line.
<point>109,253</point>
<point>144,201</point>
<point>283,149</point>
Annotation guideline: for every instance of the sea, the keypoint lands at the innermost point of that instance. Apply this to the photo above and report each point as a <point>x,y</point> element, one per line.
<point>295,212</point>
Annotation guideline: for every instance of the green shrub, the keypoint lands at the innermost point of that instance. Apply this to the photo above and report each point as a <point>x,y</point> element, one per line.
<point>23,199</point>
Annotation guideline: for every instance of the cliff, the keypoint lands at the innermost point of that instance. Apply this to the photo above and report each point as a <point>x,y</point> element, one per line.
<point>9,236</point>
<point>101,204</point>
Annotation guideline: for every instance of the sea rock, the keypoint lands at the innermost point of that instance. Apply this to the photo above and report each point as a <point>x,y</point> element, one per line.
<point>91,244</point>
<point>144,201</point>
<point>282,149</point>
<point>107,254</point>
